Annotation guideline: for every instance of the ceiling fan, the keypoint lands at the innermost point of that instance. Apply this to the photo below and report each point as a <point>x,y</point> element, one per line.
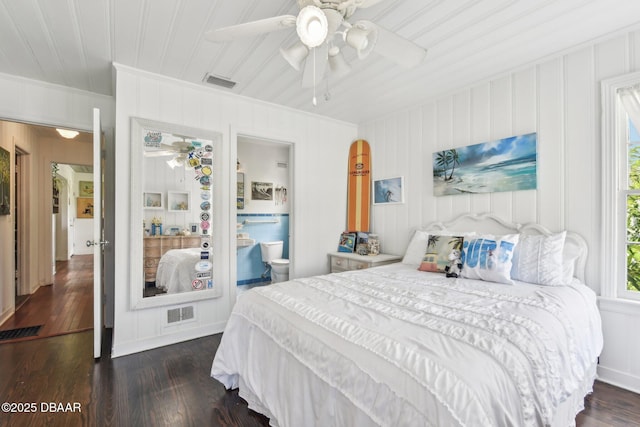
<point>179,149</point>
<point>323,27</point>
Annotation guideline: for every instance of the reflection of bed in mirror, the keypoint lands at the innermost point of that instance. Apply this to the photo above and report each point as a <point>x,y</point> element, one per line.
<point>176,270</point>
<point>155,247</point>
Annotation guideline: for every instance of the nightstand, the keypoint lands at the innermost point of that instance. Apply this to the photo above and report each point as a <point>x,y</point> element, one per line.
<point>344,261</point>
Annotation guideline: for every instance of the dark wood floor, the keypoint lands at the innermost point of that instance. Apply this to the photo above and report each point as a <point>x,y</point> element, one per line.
<point>64,307</point>
<point>170,386</point>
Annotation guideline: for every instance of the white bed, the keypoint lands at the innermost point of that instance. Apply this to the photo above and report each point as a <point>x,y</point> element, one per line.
<point>176,270</point>
<point>395,346</point>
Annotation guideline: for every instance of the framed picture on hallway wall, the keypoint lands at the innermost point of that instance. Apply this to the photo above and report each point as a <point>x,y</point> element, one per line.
<point>5,180</point>
<point>85,207</point>
<point>85,188</point>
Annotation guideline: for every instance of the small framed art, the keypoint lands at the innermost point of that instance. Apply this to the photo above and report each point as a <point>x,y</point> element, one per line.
<point>152,200</point>
<point>388,191</point>
<point>84,207</point>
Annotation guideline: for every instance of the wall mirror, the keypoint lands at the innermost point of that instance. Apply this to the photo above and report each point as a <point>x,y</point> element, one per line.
<point>175,229</point>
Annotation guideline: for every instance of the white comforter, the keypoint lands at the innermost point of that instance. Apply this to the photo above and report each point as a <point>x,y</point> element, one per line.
<point>394,346</point>
<point>177,269</point>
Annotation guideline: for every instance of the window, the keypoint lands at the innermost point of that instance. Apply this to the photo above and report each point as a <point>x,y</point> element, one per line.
<point>632,198</point>
<point>620,237</point>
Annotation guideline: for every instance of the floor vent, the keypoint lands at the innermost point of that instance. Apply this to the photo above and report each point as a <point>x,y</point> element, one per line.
<point>10,334</point>
<point>182,314</point>
<point>219,81</point>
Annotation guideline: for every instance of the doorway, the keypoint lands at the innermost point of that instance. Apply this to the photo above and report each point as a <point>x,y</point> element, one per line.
<point>264,206</point>
<point>38,287</point>
<point>18,227</point>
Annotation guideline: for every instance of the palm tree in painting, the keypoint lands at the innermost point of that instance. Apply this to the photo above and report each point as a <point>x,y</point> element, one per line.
<point>432,241</point>
<point>442,160</point>
<point>454,159</point>
<point>456,243</point>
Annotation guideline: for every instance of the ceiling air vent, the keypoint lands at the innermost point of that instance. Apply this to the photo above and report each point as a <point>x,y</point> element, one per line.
<point>219,81</point>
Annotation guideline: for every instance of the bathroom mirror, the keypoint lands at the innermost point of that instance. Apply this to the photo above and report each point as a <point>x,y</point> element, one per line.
<point>175,230</point>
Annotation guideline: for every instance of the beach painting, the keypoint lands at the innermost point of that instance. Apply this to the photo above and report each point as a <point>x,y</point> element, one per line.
<point>508,164</point>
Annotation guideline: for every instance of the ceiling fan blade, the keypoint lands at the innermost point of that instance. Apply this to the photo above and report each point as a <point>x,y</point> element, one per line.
<point>321,54</point>
<point>394,47</point>
<point>159,153</point>
<point>367,3</point>
<point>249,29</point>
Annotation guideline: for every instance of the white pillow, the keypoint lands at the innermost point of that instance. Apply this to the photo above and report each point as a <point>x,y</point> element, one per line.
<point>538,259</point>
<point>570,255</point>
<point>488,257</point>
<point>416,248</point>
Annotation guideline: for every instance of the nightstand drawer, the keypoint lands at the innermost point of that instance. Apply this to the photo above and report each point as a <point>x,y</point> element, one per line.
<point>342,261</point>
<point>358,265</point>
<point>339,264</point>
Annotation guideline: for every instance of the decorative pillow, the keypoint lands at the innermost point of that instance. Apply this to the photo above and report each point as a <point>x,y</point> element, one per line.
<point>538,259</point>
<point>570,255</point>
<point>436,256</point>
<point>488,257</point>
<point>416,248</point>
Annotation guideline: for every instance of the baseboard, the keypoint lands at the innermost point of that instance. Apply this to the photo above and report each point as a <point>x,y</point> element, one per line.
<point>7,314</point>
<point>164,340</point>
<point>619,379</point>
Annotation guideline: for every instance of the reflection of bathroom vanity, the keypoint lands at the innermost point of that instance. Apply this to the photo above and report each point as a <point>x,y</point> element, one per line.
<point>344,261</point>
<point>156,246</point>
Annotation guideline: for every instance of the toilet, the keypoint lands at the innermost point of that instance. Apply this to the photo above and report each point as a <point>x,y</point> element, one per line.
<point>272,256</point>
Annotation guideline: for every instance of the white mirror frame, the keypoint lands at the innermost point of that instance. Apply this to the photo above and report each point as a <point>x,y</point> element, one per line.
<point>136,284</point>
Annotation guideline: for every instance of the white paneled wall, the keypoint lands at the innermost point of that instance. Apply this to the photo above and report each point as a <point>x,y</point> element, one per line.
<point>318,193</point>
<point>559,99</point>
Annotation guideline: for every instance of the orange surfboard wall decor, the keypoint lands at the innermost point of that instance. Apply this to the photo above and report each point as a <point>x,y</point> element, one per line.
<point>359,187</point>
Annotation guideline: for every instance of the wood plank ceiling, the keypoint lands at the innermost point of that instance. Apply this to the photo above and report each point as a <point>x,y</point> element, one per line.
<point>74,43</point>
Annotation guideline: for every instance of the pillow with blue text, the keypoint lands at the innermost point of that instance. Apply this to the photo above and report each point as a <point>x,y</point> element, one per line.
<point>488,257</point>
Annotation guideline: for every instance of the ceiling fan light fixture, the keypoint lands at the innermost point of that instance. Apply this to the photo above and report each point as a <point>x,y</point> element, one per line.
<point>363,40</point>
<point>312,26</point>
<point>295,54</point>
<point>66,133</point>
<point>337,64</point>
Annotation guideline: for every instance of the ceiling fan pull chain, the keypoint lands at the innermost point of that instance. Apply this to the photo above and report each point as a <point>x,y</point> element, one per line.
<point>314,100</point>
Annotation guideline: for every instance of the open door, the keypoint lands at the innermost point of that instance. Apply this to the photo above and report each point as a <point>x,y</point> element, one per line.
<point>98,236</point>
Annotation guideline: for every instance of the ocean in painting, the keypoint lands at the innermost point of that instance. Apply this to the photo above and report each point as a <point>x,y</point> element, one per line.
<point>508,164</point>
<point>387,190</point>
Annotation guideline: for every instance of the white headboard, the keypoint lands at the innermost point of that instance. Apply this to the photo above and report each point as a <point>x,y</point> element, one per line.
<point>491,223</point>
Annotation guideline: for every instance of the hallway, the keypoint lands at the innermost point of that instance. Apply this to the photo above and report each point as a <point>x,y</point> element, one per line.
<point>64,307</point>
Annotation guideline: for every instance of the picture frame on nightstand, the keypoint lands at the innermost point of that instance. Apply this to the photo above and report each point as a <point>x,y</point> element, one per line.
<point>347,242</point>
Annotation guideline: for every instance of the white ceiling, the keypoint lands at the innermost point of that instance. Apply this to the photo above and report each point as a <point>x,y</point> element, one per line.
<point>74,42</point>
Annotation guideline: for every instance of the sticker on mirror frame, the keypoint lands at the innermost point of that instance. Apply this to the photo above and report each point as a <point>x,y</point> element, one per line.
<point>205,195</point>
<point>202,266</point>
<point>197,284</point>
<point>203,275</point>
<point>204,216</point>
<point>205,206</point>
<point>205,226</point>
